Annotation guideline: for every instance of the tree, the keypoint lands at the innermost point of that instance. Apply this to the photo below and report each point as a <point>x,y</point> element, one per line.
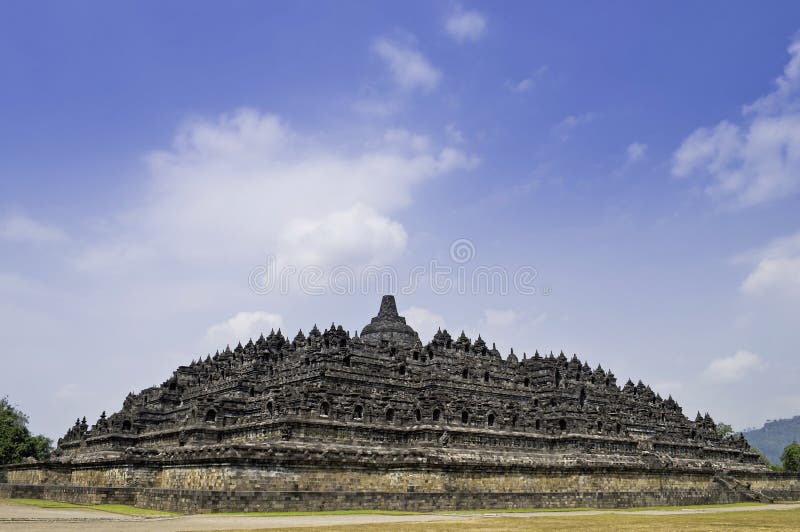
<point>723,429</point>
<point>16,442</point>
<point>791,457</point>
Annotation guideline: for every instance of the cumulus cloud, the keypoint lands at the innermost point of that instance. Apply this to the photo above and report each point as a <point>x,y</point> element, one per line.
<point>777,268</point>
<point>245,184</point>
<point>409,68</point>
<point>565,128</point>
<point>242,327</point>
<point>356,234</point>
<point>528,83</point>
<point>784,97</point>
<point>424,321</point>
<point>756,159</point>
<point>735,367</point>
<point>774,273</point>
<point>523,85</point>
<point>636,151</point>
<point>18,228</point>
<point>465,25</point>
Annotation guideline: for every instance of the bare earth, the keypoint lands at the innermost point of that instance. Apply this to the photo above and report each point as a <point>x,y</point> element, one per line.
<point>24,517</point>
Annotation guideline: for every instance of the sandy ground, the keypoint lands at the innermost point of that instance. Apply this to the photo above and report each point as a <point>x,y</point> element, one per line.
<point>24,517</point>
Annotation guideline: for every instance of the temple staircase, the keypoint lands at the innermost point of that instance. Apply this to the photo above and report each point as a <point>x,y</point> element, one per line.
<point>744,491</point>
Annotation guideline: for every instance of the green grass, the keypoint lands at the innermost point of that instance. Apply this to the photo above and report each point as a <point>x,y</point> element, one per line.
<point>41,503</point>
<point>123,509</point>
<point>765,520</point>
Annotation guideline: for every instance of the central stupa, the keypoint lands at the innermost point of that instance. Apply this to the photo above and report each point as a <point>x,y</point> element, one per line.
<point>390,327</point>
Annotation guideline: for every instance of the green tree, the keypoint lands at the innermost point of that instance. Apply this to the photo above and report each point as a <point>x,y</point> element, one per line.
<point>791,457</point>
<point>16,441</point>
<point>723,429</point>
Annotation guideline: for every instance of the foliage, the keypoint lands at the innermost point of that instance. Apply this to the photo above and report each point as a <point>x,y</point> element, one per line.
<point>790,458</point>
<point>774,436</point>
<point>723,429</point>
<point>16,441</point>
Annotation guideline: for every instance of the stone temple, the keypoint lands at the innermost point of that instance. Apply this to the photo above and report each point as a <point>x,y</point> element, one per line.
<point>331,420</point>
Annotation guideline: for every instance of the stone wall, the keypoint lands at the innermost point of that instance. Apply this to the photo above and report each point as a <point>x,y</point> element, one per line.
<point>193,501</point>
<point>223,477</point>
<point>779,486</point>
<point>223,487</point>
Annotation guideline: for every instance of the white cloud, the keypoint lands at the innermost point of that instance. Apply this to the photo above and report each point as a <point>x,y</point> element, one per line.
<point>777,268</point>
<point>463,26</point>
<point>735,367</point>
<point>424,321</point>
<point>527,83</point>
<point>500,318</point>
<point>523,85</point>
<point>409,68</point>
<point>18,228</point>
<point>564,128</point>
<point>758,160</point>
<point>356,234</point>
<point>776,273</point>
<point>636,151</point>
<point>236,188</point>
<point>242,327</point>
<point>784,97</point>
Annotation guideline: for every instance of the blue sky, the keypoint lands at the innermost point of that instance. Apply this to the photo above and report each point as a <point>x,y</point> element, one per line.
<point>644,158</point>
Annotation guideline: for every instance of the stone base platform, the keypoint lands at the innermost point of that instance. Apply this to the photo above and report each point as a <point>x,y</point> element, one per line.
<point>599,489</point>
<point>197,501</point>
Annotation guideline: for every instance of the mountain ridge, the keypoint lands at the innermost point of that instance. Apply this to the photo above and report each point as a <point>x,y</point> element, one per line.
<point>774,436</point>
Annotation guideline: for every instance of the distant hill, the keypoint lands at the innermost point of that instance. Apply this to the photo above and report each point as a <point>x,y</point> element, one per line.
<point>774,436</point>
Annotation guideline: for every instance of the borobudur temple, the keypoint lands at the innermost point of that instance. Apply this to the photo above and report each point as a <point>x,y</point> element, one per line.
<point>331,420</point>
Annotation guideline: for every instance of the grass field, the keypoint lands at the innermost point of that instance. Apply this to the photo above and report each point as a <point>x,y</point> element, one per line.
<point>724,517</point>
<point>123,509</point>
<point>772,520</point>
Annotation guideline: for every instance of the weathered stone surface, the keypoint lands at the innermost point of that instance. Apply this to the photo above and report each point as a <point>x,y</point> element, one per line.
<point>385,416</point>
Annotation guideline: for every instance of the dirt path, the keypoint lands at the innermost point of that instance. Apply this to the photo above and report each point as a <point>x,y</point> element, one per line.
<point>23,517</point>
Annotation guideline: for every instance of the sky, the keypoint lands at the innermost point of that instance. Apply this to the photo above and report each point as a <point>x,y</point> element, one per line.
<point>618,179</point>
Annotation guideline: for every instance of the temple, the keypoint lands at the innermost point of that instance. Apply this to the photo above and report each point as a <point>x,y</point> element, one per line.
<point>333,386</point>
<point>404,425</point>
